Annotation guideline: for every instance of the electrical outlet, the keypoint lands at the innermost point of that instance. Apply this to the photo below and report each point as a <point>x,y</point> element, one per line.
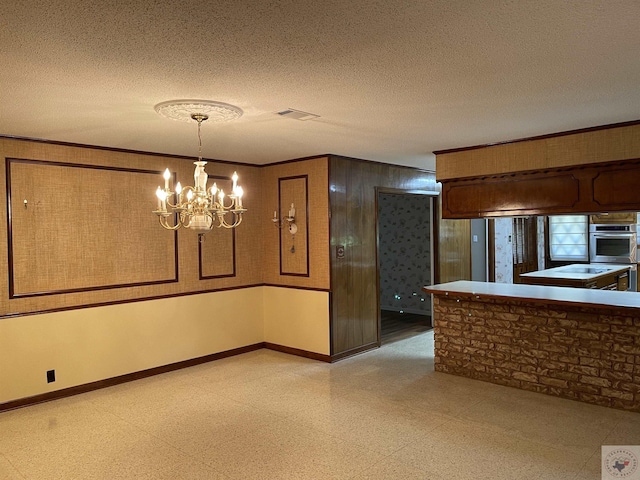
<point>51,376</point>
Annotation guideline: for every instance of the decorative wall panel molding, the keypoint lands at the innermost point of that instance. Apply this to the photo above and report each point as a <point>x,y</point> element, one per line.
<point>617,188</point>
<point>100,243</point>
<point>217,248</point>
<point>294,248</point>
<point>315,275</point>
<point>78,227</point>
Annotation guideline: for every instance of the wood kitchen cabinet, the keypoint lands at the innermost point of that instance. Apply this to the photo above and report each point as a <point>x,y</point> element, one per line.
<point>611,281</point>
<point>614,217</point>
<point>623,281</point>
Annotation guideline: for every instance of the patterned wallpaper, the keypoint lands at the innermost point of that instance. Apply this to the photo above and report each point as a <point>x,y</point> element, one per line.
<point>504,250</point>
<point>541,262</point>
<point>404,252</point>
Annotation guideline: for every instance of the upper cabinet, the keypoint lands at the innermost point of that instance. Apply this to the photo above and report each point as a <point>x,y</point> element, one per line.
<point>614,217</point>
<point>579,172</point>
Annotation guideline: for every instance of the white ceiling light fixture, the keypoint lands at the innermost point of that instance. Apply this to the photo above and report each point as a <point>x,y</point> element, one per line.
<point>199,207</point>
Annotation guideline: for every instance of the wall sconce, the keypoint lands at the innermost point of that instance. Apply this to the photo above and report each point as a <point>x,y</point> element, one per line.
<point>290,219</point>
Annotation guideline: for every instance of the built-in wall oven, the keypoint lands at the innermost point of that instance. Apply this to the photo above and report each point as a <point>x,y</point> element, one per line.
<point>612,243</point>
<point>615,243</point>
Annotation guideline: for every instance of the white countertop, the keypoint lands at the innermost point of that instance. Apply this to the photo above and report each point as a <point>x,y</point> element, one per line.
<point>539,293</point>
<point>578,271</point>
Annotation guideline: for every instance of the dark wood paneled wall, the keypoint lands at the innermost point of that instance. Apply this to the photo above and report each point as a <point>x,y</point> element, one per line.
<point>354,276</point>
<point>454,242</point>
<point>454,249</point>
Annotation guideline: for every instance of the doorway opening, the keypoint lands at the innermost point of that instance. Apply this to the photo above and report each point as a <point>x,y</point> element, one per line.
<point>405,258</point>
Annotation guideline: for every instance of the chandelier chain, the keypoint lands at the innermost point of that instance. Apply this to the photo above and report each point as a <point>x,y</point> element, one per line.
<point>199,141</point>
<point>199,117</point>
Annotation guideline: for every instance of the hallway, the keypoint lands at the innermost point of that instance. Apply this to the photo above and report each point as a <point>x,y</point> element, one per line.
<point>399,326</point>
<point>384,414</point>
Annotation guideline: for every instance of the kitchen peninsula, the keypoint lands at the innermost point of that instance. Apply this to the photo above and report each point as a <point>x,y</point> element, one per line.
<point>574,343</point>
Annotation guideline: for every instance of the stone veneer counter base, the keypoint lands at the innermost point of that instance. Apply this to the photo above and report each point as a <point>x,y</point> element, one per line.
<point>571,343</point>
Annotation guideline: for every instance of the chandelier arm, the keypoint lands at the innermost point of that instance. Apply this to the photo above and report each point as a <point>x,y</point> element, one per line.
<point>186,189</point>
<point>222,223</point>
<point>237,222</point>
<point>165,224</point>
<point>185,218</point>
<point>231,205</point>
<point>177,196</point>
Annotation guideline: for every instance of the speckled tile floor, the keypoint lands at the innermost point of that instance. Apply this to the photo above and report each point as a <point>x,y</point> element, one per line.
<point>265,415</point>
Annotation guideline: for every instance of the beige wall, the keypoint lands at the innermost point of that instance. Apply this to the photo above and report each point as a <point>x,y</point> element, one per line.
<point>297,318</point>
<point>91,344</point>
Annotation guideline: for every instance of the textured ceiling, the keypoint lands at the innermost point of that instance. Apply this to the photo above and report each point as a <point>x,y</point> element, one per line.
<point>391,81</point>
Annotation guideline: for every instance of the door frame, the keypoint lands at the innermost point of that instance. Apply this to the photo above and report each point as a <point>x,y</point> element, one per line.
<point>435,222</point>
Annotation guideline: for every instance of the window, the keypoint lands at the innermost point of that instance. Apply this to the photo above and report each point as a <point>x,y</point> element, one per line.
<point>569,238</point>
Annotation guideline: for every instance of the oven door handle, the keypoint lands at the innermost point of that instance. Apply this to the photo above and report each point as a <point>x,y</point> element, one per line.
<point>613,235</point>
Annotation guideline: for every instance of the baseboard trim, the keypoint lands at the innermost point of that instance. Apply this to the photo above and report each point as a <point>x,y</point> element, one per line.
<point>129,377</point>
<point>298,352</point>
<point>354,351</point>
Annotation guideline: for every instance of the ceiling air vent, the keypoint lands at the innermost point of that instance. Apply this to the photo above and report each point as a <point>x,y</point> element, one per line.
<point>297,114</point>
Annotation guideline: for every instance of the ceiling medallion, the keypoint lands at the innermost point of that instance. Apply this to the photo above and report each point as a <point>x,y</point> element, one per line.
<point>182,110</point>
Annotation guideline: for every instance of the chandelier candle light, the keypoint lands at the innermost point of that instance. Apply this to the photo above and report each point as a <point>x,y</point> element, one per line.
<point>198,207</point>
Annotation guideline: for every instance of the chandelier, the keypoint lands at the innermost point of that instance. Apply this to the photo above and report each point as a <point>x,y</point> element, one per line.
<point>199,207</point>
